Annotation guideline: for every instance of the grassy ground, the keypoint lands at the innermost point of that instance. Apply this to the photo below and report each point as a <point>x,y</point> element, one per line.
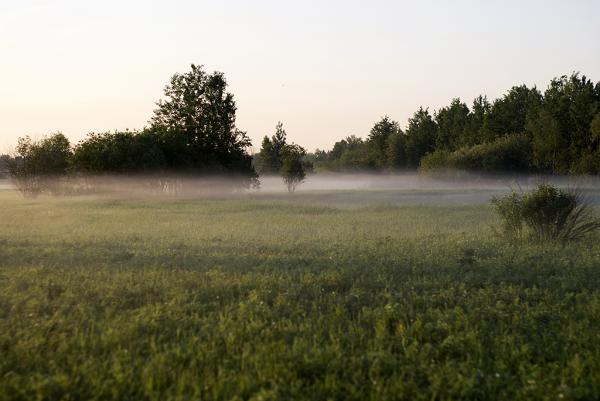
<point>271,299</point>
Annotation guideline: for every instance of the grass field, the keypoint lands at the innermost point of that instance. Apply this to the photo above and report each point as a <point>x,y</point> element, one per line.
<point>303,297</point>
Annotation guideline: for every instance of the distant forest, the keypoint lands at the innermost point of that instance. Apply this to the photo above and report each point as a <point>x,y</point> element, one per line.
<point>193,132</point>
<point>556,132</point>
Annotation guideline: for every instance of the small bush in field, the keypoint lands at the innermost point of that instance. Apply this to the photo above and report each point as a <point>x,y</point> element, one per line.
<point>547,214</point>
<point>292,170</point>
<point>510,209</point>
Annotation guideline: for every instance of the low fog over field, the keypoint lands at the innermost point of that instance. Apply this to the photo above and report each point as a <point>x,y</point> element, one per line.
<point>336,189</point>
<point>413,188</point>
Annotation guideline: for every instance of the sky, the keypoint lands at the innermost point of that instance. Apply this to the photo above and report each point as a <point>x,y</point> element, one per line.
<point>326,69</point>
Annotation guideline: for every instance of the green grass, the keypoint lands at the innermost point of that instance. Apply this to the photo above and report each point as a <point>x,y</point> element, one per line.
<point>275,299</point>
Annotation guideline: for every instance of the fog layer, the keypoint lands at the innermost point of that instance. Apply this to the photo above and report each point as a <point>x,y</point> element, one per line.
<point>334,189</point>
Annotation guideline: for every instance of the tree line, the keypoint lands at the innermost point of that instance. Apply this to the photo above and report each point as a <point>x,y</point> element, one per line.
<point>193,132</point>
<point>557,131</point>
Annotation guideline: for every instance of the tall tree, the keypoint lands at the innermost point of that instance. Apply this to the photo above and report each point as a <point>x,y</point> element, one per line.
<point>396,150</point>
<point>197,119</point>
<point>270,156</point>
<point>279,138</point>
<point>378,140</point>
<point>266,157</point>
<point>420,136</point>
<point>573,101</point>
<point>508,115</point>
<point>293,169</point>
<point>473,130</point>
<point>452,122</point>
<point>547,143</point>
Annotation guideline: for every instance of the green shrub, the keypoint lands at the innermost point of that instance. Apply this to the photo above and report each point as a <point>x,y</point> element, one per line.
<point>436,160</point>
<point>547,214</point>
<point>38,165</point>
<point>510,209</point>
<point>508,153</point>
<point>292,170</point>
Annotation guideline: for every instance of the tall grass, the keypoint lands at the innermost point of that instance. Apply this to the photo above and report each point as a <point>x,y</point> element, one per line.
<point>163,299</point>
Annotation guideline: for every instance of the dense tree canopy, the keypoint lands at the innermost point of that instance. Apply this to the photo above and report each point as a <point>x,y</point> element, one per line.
<point>557,131</point>
<point>120,152</point>
<point>270,155</point>
<point>37,165</point>
<point>196,126</point>
<point>378,141</point>
<point>193,131</point>
<point>508,115</point>
<point>420,136</point>
<point>452,122</point>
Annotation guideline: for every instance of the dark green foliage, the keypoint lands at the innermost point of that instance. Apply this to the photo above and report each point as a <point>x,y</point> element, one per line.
<point>437,161</point>
<point>349,154</point>
<point>292,171</point>
<point>595,129</point>
<point>562,127</point>
<point>37,165</point>
<point>384,148</point>
<point>354,154</point>
<point>589,161</point>
<point>510,209</point>
<point>396,151</point>
<point>193,133</point>
<point>548,214</point>
<point>266,158</point>
<point>381,131</point>
<point>270,156</point>
<point>196,123</point>
<point>548,143</point>
<point>573,102</point>
<point>122,152</point>
<point>452,121</point>
<point>49,156</point>
<point>420,137</point>
<point>473,130</point>
<point>378,141</point>
<point>506,154</point>
<point>508,115</point>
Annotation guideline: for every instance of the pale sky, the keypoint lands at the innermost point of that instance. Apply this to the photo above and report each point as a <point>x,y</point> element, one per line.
<point>327,69</point>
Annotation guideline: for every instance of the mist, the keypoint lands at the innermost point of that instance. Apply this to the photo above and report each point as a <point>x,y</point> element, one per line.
<point>359,189</point>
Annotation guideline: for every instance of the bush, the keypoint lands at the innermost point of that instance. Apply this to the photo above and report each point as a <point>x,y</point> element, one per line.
<point>39,166</point>
<point>547,214</point>
<point>436,160</point>
<point>508,153</point>
<point>292,171</point>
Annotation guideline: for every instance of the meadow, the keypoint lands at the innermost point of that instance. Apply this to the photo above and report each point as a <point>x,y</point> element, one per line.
<point>316,295</point>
